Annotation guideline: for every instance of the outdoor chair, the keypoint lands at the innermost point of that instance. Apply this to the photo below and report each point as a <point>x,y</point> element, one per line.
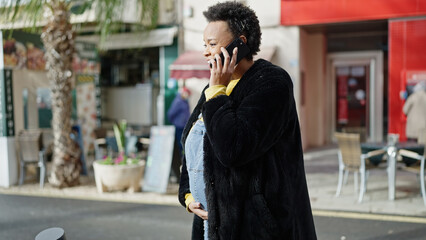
<point>419,167</point>
<point>361,130</point>
<point>100,143</point>
<point>31,151</point>
<point>351,159</point>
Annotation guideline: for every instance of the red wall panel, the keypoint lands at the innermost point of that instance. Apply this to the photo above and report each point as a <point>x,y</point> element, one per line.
<point>303,12</point>
<point>407,53</point>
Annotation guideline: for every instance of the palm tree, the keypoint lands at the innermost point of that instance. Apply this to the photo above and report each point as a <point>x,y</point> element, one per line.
<point>58,38</point>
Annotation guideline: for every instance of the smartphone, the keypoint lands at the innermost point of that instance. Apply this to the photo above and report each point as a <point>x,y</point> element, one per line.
<point>243,50</point>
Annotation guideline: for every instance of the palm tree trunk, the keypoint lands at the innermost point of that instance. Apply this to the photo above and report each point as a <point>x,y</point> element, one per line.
<point>58,38</point>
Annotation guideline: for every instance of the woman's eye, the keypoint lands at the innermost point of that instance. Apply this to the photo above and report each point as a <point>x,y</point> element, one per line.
<point>209,45</point>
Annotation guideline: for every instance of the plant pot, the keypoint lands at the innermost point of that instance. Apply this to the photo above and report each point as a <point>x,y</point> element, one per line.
<point>118,177</point>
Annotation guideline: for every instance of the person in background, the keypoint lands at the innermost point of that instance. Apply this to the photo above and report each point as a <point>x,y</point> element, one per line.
<point>178,113</point>
<point>415,110</point>
<point>243,174</point>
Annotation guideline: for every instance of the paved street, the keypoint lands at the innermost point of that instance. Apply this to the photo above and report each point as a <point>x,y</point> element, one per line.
<point>360,227</point>
<point>22,217</point>
<point>85,214</point>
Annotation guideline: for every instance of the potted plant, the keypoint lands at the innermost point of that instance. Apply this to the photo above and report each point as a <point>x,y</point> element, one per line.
<point>121,172</point>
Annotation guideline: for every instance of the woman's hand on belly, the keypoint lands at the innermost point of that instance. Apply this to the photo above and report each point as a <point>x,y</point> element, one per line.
<point>196,208</point>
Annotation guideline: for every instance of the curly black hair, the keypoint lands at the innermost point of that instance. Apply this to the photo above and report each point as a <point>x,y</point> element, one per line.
<point>241,21</point>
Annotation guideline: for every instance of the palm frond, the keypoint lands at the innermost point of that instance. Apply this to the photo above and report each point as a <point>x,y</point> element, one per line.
<point>27,12</point>
<point>15,9</point>
<point>33,10</point>
<point>150,11</point>
<point>109,13</point>
<point>78,7</point>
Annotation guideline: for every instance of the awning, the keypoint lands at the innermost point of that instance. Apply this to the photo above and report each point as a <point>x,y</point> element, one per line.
<point>193,64</point>
<point>153,38</point>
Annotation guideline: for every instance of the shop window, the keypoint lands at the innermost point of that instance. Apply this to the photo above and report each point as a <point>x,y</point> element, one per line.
<point>44,107</point>
<point>129,67</point>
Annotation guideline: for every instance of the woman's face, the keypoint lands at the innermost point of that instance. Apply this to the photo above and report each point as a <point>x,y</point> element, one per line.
<point>216,35</point>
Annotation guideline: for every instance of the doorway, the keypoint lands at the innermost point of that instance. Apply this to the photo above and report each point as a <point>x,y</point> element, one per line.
<point>355,82</point>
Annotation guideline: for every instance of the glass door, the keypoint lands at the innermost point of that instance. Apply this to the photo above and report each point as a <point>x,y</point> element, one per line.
<point>352,99</point>
<point>355,83</point>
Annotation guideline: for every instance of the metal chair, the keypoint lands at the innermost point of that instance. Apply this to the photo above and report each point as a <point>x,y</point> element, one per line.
<point>352,159</point>
<point>30,148</point>
<point>418,167</point>
<point>361,130</point>
<point>100,143</point>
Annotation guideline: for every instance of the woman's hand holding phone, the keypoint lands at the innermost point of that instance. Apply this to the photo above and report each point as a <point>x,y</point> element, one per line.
<point>221,73</point>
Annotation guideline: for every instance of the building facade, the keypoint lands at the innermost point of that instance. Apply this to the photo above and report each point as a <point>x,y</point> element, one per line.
<point>352,66</point>
<point>123,81</point>
<point>357,64</point>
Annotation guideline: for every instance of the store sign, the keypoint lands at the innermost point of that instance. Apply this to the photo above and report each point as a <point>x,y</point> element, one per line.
<point>303,12</point>
<point>84,78</point>
<point>23,50</point>
<point>159,160</point>
<point>85,60</point>
<point>7,124</point>
<point>26,51</point>
<point>414,77</point>
<point>2,128</point>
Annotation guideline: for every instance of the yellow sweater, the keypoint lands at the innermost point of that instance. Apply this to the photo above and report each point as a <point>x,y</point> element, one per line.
<point>217,90</point>
<point>210,93</point>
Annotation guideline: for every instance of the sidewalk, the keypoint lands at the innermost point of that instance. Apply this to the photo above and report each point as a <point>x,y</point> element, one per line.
<point>321,170</point>
<point>87,191</point>
<point>322,174</point>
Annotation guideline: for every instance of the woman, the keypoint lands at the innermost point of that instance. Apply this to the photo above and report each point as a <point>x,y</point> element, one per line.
<point>415,110</point>
<point>243,174</point>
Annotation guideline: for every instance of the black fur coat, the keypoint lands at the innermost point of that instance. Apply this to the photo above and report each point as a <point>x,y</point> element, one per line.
<point>253,161</point>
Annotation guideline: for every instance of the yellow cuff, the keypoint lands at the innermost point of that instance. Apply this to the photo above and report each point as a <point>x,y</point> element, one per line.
<point>215,91</point>
<point>188,199</point>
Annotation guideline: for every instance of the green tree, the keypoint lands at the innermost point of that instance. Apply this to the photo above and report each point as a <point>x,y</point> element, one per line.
<point>58,37</point>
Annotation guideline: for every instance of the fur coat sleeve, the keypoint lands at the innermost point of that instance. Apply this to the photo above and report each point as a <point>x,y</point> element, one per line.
<point>242,132</point>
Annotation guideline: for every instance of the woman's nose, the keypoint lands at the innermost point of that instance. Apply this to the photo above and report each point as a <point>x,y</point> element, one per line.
<point>206,52</point>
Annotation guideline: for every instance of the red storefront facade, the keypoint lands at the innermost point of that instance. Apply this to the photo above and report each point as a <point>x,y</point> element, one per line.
<point>402,24</point>
<point>407,65</point>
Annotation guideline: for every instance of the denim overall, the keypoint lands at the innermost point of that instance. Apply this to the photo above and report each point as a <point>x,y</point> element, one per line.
<point>194,154</point>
